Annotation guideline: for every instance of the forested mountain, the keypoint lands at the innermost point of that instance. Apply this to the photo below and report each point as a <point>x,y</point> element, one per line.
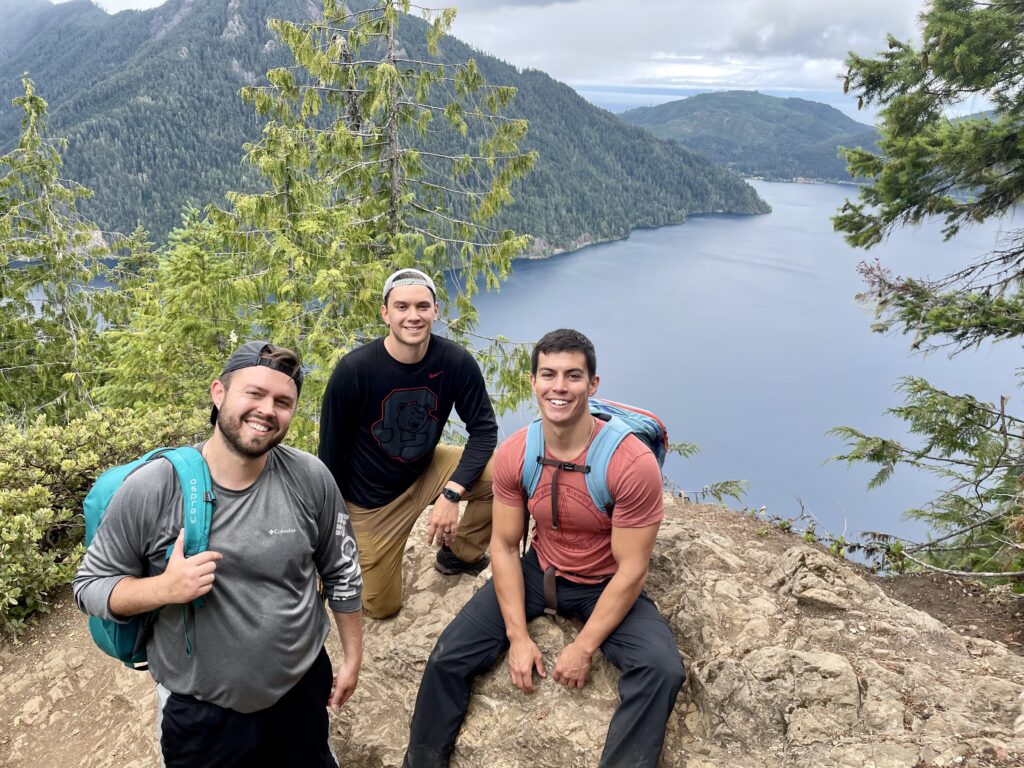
<point>148,101</point>
<point>22,20</point>
<point>759,135</point>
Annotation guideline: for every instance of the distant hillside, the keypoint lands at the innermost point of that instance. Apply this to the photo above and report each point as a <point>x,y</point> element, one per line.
<point>148,101</point>
<point>22,19</point>
<point>759,135</point>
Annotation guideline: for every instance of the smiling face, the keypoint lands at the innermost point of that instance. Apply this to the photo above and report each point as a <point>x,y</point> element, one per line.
<point>409,314</point>
<point>563,386</point>
<point>254,409</point>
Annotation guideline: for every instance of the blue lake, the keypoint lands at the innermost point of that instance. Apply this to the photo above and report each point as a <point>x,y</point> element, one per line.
<point>743,334</point>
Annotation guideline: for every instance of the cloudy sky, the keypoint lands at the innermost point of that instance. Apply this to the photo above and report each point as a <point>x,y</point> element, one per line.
<point>643,51</point>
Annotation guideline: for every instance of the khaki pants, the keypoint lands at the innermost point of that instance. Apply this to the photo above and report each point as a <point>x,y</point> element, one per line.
<point>382,532</point>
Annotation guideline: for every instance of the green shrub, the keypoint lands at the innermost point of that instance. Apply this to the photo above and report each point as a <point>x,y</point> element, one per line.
<point>45,472</point>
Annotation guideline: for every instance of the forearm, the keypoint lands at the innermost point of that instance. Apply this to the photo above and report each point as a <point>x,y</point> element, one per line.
<point>350,630</point>
<point>615,602</point>
<point>481,427</point>
<point>509,587</point>
<point>475,455</point>
<point>133,595</point>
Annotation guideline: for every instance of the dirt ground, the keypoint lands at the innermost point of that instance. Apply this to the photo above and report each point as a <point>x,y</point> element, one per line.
<point>964,605</point>
<point>53,680</point>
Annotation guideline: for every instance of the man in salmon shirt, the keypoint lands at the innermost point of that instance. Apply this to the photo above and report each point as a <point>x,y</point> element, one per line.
<point>598,566</point>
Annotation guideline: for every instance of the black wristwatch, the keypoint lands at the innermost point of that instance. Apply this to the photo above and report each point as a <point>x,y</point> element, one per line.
<point>453,496</point>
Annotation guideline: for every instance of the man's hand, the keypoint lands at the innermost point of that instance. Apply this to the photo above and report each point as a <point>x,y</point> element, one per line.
<point>344,685</point>
<point>187,578</point>
<point>444,522</point>
<point>572,666</point>
<point>523,657</point>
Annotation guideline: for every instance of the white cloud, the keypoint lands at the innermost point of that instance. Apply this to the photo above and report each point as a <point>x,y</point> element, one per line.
<point>685,43</point>
<point>816,29</point>
<point>113,6</point>
<point>727,44</point>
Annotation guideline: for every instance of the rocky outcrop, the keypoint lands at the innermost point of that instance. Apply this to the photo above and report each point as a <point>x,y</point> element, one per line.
<point>793,660</point>
<point>236,24</point>
<point>169,17</point>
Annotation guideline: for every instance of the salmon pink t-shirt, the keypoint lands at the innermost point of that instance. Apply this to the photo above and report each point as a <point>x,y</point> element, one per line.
<point>580,548</point>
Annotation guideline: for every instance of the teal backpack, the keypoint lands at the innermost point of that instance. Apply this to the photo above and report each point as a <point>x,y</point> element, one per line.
<point>621,420</point>
<point>127,642</point>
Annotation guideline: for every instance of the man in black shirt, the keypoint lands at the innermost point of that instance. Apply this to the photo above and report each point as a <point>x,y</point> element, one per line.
<point>384,410</point>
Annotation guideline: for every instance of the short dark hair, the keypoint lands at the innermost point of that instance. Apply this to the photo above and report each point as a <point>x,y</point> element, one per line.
<point>565,340</point>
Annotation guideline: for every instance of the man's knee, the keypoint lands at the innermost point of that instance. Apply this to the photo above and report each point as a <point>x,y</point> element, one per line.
<point>665,670</point>
<point>448,650</point>
<point>383,605</point>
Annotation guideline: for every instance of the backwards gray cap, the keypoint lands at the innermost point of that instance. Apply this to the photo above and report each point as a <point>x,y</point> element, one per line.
<point>408,276</point>
<point>251,354</point>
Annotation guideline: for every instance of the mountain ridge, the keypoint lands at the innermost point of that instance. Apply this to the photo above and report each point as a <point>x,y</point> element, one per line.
<point>154,123</point>
<point>759,135</point>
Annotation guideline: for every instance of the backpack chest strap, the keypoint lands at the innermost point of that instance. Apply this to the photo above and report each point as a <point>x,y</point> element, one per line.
<point>566,466</point>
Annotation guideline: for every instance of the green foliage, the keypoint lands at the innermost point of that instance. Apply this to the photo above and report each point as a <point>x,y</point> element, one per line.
<point>350,124</point>
<point>975,448</point>
<point>964,171</point>
<point>759,135</point>
<point>505,365</point>
<point>47,259</point>
<point>46,469</point>
<point>686,450</point>
<point>347,201</point>
<point>184,314</point>
<point>301,263</point>
<point>721,490</point>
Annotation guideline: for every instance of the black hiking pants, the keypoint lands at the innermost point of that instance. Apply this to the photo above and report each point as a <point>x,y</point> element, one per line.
<point>642,647</point>
<point>292,732</point>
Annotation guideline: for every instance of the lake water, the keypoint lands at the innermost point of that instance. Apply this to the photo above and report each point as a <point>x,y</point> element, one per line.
<point>743,334</point>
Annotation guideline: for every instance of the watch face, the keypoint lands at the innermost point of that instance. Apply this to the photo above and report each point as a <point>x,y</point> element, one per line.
<point>451,495</point>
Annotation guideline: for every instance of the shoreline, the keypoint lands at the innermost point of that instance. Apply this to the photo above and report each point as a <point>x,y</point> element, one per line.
<point>547,253</point>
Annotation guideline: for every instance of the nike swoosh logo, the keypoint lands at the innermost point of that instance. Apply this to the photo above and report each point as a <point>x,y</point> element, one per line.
<point>434,375</point>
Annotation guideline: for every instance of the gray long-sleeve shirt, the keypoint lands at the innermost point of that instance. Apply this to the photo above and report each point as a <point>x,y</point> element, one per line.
<point>264,622</point>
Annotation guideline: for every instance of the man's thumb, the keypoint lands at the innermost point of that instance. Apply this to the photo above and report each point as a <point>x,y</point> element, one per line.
<point>179,545</point>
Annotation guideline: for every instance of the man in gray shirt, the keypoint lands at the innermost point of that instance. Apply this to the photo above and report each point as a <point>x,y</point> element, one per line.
<point>242,679</point>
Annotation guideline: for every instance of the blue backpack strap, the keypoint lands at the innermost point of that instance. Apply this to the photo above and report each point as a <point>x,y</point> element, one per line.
<point>196,496</point>
<point>599,456</point>
<point>534,449</point>
<point>197,502</point>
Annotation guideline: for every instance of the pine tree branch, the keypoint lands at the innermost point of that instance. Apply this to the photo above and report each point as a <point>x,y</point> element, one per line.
<point>965,574</point>
<point>960,531</point>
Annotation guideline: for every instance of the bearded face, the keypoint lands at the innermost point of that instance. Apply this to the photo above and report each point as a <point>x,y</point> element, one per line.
<point>255,409</point>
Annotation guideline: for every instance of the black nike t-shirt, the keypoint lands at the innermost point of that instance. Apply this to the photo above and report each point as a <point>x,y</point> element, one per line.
<point>381,419</point>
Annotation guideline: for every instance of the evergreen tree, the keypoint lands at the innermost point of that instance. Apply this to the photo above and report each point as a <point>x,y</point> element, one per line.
<point>174,317</point>
<point>349,198</point>
<point>362,110</point>
<point>965,171</point>
<point>48,257</point>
